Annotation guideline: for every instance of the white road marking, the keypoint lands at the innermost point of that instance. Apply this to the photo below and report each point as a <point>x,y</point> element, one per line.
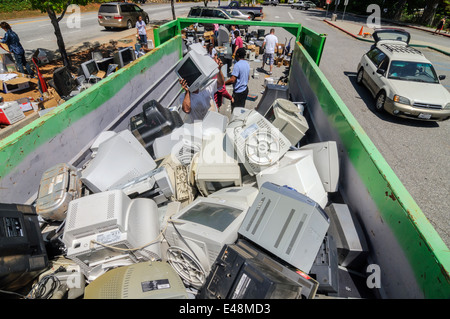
<point>290,16</point>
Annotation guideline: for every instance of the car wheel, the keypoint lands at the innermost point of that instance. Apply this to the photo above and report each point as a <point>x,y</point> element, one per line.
<point>359,76</point>
<point>147,20</point>
<point>379,101</point>
<point>252,15</point>
<point>129,24</point>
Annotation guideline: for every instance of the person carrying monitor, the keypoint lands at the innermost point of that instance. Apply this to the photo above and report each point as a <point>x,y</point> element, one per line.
<point>269,45</point>
<point>199,102</point>
<point>239,78</point>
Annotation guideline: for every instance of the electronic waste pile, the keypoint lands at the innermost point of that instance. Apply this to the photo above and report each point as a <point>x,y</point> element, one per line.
<point>224,208</point>
<point>221,208</point>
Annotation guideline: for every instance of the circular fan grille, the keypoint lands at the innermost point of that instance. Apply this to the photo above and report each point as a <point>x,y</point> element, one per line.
<point>186,266</point>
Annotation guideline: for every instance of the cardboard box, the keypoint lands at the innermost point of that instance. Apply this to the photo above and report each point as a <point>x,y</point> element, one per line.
<point>19,83</point>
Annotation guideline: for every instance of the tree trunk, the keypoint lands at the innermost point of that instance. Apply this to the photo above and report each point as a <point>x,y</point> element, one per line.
<point>59,38</point>
<point>399,11</point>
<point>429,12</point>
<point>172,5</point>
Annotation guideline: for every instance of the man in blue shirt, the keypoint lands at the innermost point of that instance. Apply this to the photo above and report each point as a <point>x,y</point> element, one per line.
<point>13,42</point>
<point>239,78</point>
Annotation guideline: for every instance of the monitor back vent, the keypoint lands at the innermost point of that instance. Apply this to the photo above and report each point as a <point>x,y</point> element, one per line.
<point>73,217</point>
<point>110,211</point>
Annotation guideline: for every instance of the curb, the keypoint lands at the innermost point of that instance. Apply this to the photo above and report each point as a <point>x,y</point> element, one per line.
<point>366,40</point>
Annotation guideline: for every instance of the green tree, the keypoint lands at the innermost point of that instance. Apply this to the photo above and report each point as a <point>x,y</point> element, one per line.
<point>53,9</point>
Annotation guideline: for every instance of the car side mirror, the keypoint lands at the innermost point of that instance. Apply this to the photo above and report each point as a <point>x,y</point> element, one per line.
<point>442,77</point>
<point>381,71</point>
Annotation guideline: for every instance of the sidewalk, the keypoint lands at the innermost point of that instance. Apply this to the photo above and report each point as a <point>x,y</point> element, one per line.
<point>365,34</point>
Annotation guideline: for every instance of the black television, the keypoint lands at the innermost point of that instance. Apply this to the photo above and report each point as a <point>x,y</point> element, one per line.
<point>22,249</point>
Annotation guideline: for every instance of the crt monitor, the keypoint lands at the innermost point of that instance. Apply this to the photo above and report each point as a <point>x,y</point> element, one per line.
<point>97,224</point>
<point>118,160</point>
<point>298,171</point>
<point>124,56</point>
<point>89,68</point>
<point>197,69</point>
<point>197,233</point>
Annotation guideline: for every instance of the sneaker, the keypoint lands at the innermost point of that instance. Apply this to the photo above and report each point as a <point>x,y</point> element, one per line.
<point>270,73</point>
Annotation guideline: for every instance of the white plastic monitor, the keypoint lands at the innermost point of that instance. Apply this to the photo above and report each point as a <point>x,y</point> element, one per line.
<point>119,159</point>
<point>201,229</point>
<point>287,224</point>
<point>124,56</point>
<point>289,120</point>
<point>298,171</point>
<point>257,143</point>
<point>102,137</point>
<point>198,70</point>
<point>111,218</point>
<point>89,68</point>
<point>326,159</point>
<point>223,36</point>
<point>213,168</point>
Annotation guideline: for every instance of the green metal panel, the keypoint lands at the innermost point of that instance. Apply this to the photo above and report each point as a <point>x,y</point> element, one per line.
<point>427,253</point>
<point>313,43</point>
<point>17,146</point>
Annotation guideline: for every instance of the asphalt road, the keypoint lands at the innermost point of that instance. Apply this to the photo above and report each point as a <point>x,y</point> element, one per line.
<point>39,33</point>
<point>418,152</point>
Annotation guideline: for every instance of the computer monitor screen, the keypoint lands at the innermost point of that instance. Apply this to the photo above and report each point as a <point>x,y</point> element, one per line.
<point>200,69</point>
<point>127,55</point>
<point>212,215</point>
<point>189,72</point>
<point>200,230</point>
<point>89,68</point>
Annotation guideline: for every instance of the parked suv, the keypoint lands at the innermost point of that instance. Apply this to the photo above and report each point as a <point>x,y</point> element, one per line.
<point>301,5</point>
<point>403,82</point>
<point>211,12</point>
<point>120,15</point>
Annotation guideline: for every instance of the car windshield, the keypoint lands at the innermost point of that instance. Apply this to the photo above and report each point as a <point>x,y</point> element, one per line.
<point>412,71</point>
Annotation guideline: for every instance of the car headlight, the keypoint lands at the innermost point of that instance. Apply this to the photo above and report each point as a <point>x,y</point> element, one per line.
<point>401,99</point>
<point>447,106</point>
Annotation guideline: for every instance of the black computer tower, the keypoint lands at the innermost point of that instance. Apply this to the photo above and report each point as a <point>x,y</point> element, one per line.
<point>241,271</point>
<point>22,249</point>
<point>325,267</point>
<point>155,121</point>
